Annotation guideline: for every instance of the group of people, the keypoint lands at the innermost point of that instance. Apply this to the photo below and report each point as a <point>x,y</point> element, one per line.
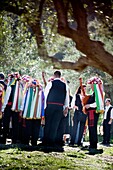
<point>22,106</point>
<point>28,106</point>
<point>87,110</point>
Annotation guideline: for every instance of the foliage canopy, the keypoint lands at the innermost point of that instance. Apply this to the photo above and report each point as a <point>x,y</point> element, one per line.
<point>87,23</point>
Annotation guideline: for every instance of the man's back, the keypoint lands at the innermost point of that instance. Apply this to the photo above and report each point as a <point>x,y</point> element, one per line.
<point>57,92</point>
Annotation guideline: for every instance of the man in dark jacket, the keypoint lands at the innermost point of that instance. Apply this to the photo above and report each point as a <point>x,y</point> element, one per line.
<point>93,113</point>
<point>108,117</point>
<point>56,108</point>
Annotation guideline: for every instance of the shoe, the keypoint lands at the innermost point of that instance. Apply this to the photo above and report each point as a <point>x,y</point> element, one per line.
<point>107,145</point>
<point>71,145</point>
<point>58,148</point>
<point>93,151</point>
<point>60,143</point>
<point>53,148</point>
<point>42,144</point>
<point>80,145</point>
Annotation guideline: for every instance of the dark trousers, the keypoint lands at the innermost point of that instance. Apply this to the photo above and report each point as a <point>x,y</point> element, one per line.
<point>54,124</point>
<point>93,139</point>
<point>106,130</point>
<point>41,133</point>
<point>8,114</point>
<point>68,123</point>
<point>31,131</point>
<point>77,129</point>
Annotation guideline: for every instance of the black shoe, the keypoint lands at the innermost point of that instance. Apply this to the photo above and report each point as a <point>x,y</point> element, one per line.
<point>80,144</point>
<point>71,145</point>
<point>60,143</point>
<point>107,145</point>
<point>53,148</point>
<point>58,148</point>
<point>93,151</point>
<point>42,144</point>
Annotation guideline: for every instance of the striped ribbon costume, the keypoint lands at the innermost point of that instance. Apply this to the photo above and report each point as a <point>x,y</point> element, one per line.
<point>34,103</point>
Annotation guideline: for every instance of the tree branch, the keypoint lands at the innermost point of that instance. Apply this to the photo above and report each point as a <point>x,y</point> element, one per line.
<point>80,16</point>
<point>36,27</point>
<point>61,14</point>
<point>96,55</point>
<point>79,65</point>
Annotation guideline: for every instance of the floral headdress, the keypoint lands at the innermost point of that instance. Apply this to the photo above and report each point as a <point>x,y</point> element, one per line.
<point>94,80</point>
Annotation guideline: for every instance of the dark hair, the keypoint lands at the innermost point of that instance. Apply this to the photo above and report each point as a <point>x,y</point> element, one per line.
<point>79,89</point>
<point>2,76</point>
<point>57,73</point>
<point>108,100</point>
<point>68,81</point>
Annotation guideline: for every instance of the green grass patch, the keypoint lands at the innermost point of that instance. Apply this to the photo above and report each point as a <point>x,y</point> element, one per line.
<point>70,159</point>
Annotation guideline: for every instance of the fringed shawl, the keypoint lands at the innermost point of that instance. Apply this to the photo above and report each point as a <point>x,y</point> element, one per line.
<point>34,103</point>
<point>18,96</point>
<point>99,97</point>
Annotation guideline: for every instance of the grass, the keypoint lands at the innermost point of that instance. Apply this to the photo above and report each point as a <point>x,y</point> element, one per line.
<point>72,158</point>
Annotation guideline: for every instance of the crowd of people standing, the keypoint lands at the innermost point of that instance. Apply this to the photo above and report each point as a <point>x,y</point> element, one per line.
<point>28,106</point>
<point>22,104</point>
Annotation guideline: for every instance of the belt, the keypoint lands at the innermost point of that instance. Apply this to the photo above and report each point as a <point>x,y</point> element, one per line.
<point>60,104</point>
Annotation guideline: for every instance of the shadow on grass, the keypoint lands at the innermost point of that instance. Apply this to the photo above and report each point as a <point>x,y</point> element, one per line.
<point>23,147</point>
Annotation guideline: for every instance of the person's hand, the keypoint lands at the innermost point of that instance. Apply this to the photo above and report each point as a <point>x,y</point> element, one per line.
<point>65,112</point>
<point>75,107</point>
<point>87,106</point>
<point>43,74</point>
<point>110,122</point>
<point>70,108</point>
<point>1,114</point>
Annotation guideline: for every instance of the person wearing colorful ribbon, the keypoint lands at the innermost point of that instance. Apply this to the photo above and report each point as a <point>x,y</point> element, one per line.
<point>10,107</point>
<point>56,108</point>
<point>94,106</point>
<point>32,110</point>
<point>3,87</point>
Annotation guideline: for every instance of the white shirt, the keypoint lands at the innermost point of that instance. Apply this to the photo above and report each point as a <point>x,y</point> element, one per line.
<point>93,105</point>
<point>73,101</point>
<point>106,110</point>
<point>47,89</point>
